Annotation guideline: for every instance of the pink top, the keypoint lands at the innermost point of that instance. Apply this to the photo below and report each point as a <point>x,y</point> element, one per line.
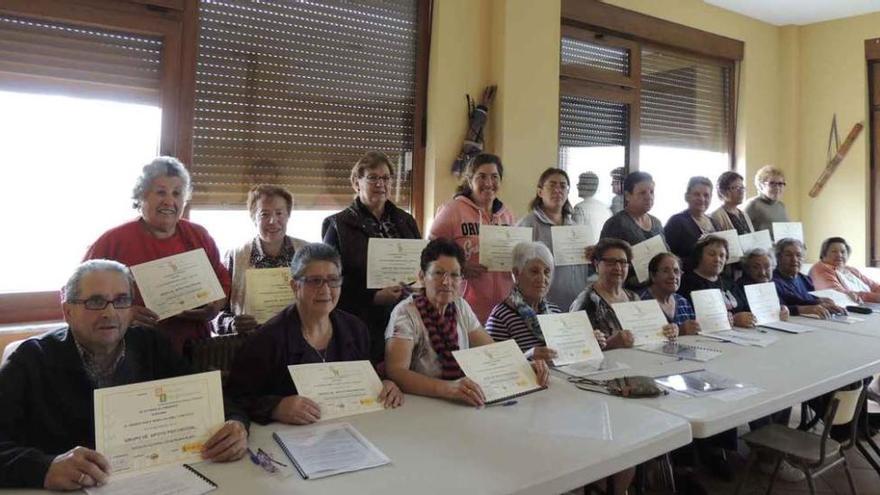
<point>460,220</point>
<point>132,244</point>
<point>825,276</point>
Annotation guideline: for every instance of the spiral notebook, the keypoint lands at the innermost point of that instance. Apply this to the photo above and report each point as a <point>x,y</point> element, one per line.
<point>682,351</point>
<point>181,479</point>
<point>325,450</point>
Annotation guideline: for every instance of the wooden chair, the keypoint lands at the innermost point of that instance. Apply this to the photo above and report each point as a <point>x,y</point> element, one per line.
<point>810,452</point>
<point>214,353</point>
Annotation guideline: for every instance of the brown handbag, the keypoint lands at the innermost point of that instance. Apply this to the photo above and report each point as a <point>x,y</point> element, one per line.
<point>625,386</point>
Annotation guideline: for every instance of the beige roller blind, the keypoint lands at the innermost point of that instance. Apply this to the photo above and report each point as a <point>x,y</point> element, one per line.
<point>292,93</point>
<point>56,58</point>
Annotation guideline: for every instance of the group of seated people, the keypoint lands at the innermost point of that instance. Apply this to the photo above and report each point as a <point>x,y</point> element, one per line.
<point>111,338</point>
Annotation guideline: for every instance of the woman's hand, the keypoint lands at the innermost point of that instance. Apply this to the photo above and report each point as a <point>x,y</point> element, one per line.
<point>600,338</point>
<point>817,310</point>
<point>243,324</point>
<point>542,372</point>
<point>831,306</point>
<point>623,338</point>
<point>204,313</point>
<point>854,296</point>
<point>143,317</point>
<point>744,319</point>
<point>472,270</point>
<point>228,444</point>
<point>388,295</point>
<point>784,313</point>
<point>465,390</point>
<point>541,353</point>
<point>296,410</point>
<point>391,396</point>
<point>670,331</point>
<point>690,327</point>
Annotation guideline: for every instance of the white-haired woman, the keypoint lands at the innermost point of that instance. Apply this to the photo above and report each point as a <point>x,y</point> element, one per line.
<point>160,194</point>
<point>516,316</point>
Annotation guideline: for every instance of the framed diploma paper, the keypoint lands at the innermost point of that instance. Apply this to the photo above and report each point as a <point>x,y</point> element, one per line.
<point>174,284</point>
<point>570,244</point>
<point>711,311</point>
<point>267,292</point>
<point>642,254</point>
<point>496,245</point>
<point>500,369</point>
<point>759,239</point>
<point>159,423</point>
<point>571,336</point>
<point>644,319</point>
<point>784,230</point>
<point>341,388</point>
<point>393,261</point>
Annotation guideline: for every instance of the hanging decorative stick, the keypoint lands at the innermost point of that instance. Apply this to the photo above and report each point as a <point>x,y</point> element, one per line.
<point>832,164</point>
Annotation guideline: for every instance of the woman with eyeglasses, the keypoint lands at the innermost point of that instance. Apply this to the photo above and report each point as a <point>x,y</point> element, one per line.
<point>476,203</point>
<point>371,214</point>
<point>428,326</point>
<point>664,276</point>
<point>311,330</point>
<point>728,216</point>
<point>767,207</point>
<point>550,207</point>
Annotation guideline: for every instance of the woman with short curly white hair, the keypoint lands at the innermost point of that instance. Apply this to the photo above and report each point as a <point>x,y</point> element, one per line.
<point>160,195</point>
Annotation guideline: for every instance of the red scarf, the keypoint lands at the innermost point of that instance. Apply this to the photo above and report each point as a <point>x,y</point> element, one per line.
<point>443,334</point>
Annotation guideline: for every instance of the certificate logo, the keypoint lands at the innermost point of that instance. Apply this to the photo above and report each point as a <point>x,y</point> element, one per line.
<point>160,394</point>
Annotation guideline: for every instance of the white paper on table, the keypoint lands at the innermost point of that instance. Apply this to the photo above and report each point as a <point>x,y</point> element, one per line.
<point>497,243</point>
<point>759,239</point>
<point>174,284</point>
<point>839,298</point>
<point>267,292</point>
<point>736,393</point>
<point>172,480</point>
<point>571,336</point>
<point>157,423</point>
<point>393,261</point>
<point>786,230</point>
<point>745,337</point>
<point>586,369</point>
<point>340,388</point>
<point>734,249</point>
<point>324,450</point>
<point>763,302</point>
<point>643,252</point>
<point>500,369</point>
<point>710,310</point>
<point>570,244</point>
<point>644,319</point>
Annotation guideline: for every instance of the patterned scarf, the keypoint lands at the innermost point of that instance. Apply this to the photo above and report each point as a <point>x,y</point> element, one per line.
<point>516,301</point>
<point>442,332</point>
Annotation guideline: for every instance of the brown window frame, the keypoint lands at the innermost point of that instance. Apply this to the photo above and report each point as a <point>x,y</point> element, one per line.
<point>872,59</point>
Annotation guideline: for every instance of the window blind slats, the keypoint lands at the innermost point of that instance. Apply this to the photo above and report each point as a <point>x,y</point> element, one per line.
<point>53,57</point>
<point>595,56</point>
<point>308,87</point>
<point>591,122</point>
<point>685,101</point>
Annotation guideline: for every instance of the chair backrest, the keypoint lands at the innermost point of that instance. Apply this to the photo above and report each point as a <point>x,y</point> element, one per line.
<point>214,353</point>
<point>847,406</point>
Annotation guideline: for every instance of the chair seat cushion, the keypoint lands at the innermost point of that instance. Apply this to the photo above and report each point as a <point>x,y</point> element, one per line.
<point>796,443</point>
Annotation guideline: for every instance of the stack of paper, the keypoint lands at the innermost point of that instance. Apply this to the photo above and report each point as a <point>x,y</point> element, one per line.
<point>325,450</point>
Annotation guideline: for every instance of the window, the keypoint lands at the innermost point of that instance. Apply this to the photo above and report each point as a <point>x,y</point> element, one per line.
<point>293,93</point>
<point>647,94</point>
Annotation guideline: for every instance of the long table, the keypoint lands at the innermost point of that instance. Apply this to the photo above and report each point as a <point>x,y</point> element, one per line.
<point>796,368</point>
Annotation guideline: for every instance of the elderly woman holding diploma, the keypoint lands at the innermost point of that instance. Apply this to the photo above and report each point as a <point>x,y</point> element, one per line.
<point>160,194</point>
<point>664,276</point>
<point>311,330</point>
<point>428,326</point>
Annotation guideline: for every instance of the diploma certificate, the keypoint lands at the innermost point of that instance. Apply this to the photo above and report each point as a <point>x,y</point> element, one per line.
<point>763,302</point>
<point>644,319</point>
<point>711,310</point>
<point>642,254</point>
<point>500,369</point>
<point>735,251</point>
<point>759,239</point>
<point>570,244</point>
<point>393,261</point>
<point>571,336</point>
<point>340,388</point>
<point>496,245</point>
<point>838,297</point>
<point>174,284</point>
<point>157,423</point>
<point>784,230</point>
<point>267,292</point>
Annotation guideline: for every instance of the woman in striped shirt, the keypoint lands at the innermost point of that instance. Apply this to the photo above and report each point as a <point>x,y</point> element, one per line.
<point>516,316</point>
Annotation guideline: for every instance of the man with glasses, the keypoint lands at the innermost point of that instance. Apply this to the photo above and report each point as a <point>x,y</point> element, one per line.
<point>47,385</point>
<point>767,207</point>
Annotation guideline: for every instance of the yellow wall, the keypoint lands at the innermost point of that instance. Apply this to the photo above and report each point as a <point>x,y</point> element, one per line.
<point>792,80</point>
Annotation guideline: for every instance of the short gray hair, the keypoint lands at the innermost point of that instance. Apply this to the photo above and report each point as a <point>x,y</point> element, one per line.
<point>753,253</point>
<point>316,251</point>
<point>698,181</point>
<point>524,252</point>
<point>781,244</point>
<point>161,166</point>
<point>71,289</point>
